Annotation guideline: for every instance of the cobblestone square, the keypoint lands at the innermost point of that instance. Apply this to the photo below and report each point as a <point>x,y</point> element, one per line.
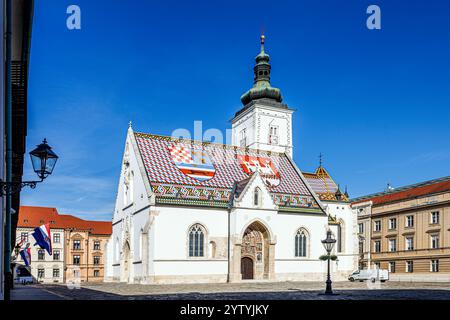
<point>238,291</point>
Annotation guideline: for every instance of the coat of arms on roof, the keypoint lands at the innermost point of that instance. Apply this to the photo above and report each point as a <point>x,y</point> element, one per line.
<point>193,162</point>
<point>265,166</point>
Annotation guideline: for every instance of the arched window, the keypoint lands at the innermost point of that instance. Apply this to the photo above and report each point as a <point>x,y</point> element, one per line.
<point>273,135</point>
<point>339,238</point>
<point>131,186</point>
<point>196,241</point>
<point>301,243</point>
<point>116,250</point>
<point>141,243</point>
<point>257,197</point>
<point>126,175</point>
<point>128,188</point>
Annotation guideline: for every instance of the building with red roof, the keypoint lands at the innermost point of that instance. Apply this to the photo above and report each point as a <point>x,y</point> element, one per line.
<point>77,246</point>
<point>407,230</point>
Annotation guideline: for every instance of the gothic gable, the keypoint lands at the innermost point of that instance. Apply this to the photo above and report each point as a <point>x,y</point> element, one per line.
<point>255,194</point>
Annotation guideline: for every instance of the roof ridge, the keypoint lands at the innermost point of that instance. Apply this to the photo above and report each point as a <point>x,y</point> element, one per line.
<point>403,188</point>
<point>43,207</point>
<point>78,218</point>
<point>170,138</point>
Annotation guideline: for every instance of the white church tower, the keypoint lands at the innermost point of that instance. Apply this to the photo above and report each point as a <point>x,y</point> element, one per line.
<point>264,123</point>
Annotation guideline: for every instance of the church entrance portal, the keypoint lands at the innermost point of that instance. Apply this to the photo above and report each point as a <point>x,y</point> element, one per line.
<point>255,257</point>
<point>247,268</point>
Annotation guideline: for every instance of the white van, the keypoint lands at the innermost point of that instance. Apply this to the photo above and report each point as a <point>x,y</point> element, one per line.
<point>370,274</point>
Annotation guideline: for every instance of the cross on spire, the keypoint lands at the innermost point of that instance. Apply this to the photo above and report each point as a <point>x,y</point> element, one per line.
<point>263,38</point>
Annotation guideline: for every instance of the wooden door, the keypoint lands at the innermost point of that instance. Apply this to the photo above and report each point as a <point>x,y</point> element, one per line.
<point>247,268</point>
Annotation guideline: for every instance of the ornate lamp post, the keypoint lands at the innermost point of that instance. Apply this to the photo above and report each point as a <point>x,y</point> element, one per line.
<point>328,244</point>
<point>43,160</point>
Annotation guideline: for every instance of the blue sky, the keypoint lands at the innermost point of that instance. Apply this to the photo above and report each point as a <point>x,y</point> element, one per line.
<point>376,103</point>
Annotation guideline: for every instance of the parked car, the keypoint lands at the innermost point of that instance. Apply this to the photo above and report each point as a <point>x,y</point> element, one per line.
<point>369,274</point>
<point>23,275</point>
<point>24,279</point>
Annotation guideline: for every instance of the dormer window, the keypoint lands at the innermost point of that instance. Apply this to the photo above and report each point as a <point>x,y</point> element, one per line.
<point>273,135</point>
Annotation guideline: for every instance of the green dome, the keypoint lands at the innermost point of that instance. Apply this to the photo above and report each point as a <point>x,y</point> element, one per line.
<point>260,92</point>
<point>261,85</point>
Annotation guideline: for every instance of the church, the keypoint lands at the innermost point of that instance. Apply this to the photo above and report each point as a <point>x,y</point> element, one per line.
<point>189,211</point>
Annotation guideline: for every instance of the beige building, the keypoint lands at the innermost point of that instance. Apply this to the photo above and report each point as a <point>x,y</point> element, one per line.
<point>85,249</point>
<point>407,231</point>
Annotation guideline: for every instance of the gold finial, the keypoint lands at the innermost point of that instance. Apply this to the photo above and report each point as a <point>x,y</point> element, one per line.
<point>263,38</point>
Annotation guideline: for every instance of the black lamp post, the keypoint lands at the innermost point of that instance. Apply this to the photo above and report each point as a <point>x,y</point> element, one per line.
<point>43,160</point>
<point>328,244</point>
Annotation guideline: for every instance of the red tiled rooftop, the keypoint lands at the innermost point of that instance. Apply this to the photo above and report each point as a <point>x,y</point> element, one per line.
<point>407,193</point>
<point>33,217</point>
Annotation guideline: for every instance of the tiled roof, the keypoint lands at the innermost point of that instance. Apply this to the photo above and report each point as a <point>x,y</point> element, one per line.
<point>172,183</point>
<point>240,186</point>
<point>94,227</point>
<point>323,185</point>
<point>408,192</point>
<point>32,217</point>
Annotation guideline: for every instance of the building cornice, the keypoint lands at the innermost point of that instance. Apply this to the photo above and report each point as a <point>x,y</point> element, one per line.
<point>414,208</point>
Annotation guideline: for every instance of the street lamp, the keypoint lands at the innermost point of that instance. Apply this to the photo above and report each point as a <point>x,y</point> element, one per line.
<point>328,244</point>
<point>43,160</point>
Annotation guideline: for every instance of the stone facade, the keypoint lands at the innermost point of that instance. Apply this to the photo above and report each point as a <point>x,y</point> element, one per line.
<point>85,255</point>
<point>406,231</point>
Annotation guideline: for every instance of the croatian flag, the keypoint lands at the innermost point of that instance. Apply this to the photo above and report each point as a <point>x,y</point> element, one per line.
<point>26,256</point>
<point>42,236</point>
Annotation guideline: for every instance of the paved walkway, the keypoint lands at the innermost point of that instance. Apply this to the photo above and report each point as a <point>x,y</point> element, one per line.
<point>33,292</point>
<point>241,291</point>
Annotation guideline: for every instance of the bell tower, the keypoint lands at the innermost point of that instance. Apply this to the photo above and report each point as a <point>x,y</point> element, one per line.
<point>264,122</point>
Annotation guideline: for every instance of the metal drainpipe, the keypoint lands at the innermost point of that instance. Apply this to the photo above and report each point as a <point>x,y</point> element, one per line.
<point>8,133</point>
<point>87,258</point>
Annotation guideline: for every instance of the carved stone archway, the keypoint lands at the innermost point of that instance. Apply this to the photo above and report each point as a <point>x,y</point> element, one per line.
<point>257,244</point>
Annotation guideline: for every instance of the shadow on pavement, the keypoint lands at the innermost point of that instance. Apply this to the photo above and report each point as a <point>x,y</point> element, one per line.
<point>83,293</point>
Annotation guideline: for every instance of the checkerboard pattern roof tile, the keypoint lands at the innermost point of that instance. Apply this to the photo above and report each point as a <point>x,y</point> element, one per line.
<point>322,184</point>
<point>156,152</point>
